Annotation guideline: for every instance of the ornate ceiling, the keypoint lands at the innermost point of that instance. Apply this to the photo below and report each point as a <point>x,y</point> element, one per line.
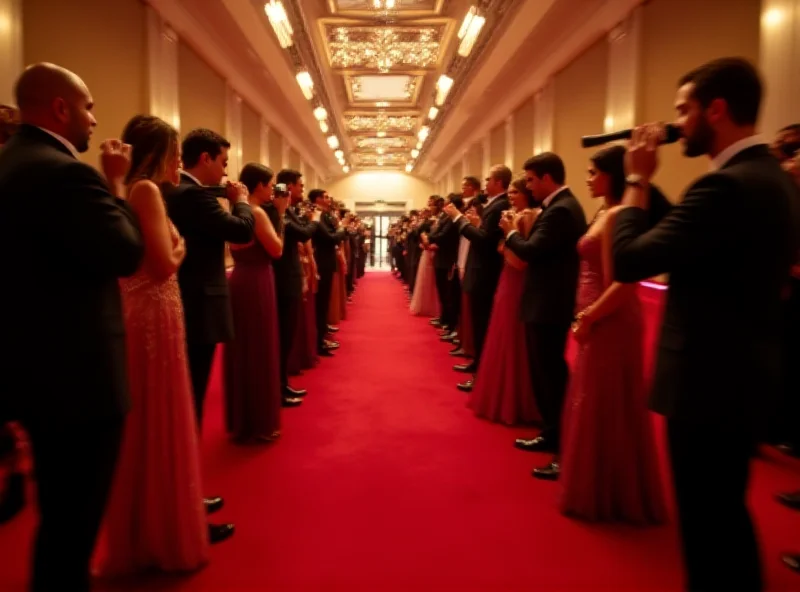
<point>379,74</point>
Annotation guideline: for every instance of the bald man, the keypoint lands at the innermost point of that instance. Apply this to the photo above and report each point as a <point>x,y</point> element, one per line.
<point>68,240</point>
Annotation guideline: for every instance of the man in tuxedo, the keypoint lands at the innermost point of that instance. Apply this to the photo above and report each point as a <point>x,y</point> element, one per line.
<point>205,225</point>
<point>484,262</point>
<point>327,235</point>
<point>289,275</point>
<point>719,356</point>
<point>548,303</point>
<point>446,238</point>
<point>65,376</point>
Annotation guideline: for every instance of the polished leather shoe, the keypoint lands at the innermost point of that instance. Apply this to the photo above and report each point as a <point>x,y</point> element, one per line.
<point>450,336</point>
<point>434,322</point>
<point>443,332</point>
<point>548,472</point>
<point>213,504</point>
<point>293,392</point>
<point>331,344</point>
<point>291,402</point>
<point>325,353</point>
<point>538,444</point>
<point>458,352</point>
<point>466,386</point>
<point>468,368</point>
<point>332,329</point>
<point>792,561</point>
<point>219,532</point>
<point>790,499</point>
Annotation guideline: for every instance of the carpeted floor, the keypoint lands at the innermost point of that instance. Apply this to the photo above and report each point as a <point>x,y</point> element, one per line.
<point>384,481</point>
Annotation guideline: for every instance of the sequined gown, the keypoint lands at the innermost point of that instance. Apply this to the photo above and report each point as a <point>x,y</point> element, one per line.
<point>610,470</point>
<point>155,517</point>
<point>252,359</point>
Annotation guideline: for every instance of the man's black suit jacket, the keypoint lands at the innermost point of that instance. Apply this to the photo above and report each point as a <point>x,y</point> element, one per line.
<point>447,238</point>
<point>206,226</point>
<point>288,269</point>
<point>61,311</point>
<point>326,237</point>
<point>728,247</point>
<point>551,279</point>
<point>484,262</point>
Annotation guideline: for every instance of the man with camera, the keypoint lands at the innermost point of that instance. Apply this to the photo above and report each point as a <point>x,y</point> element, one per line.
<point>718,369</point>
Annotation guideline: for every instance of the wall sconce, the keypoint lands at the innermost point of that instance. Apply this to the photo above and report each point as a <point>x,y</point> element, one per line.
<point>306,84</point>
<point>443,86</point>
<point>280,22</point>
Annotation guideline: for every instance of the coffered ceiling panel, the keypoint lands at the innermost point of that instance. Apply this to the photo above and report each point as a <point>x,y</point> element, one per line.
<point>385,144</point>
<point>399,90</point>
<point>380,122</point>
<point>368,7</point>
<point>384,49</point>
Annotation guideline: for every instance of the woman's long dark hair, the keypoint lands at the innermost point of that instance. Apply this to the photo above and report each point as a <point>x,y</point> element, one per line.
<point>153,143</point>
<point>521,185</point>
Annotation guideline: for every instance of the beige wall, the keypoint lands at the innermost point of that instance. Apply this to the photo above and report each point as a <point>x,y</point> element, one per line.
<point>385,185</point>
<point>580,103</point>
<point>201,93</point>
<point>294,159</point>
<point>475,162</point>
<point>523,134</point>
<point>59,32</point>
<point>673,45</point>
<point>251,135</point>
<point>275,146</point>
<point>497,145</point>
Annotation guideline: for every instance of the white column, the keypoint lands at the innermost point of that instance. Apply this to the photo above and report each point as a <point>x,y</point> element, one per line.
<point>624,58</point>
<point>11,63</point>
<point>263,146</point>
<point>509,136</point>
<point>486,144</point>
<point>162,68</point>
<point>779,59</point>
<point>464,166</point>
<point>303,169</point>
<point>284,153</point>
<point>543,119</point>
<point>233,130</point>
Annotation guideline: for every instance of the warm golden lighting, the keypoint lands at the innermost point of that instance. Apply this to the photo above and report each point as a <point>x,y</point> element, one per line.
<point>323,125</point>
<point>409,167</point>
<point>339,154</point>
<point>381,134</point>
<point>306,84</point>
<point>383,48</point>
<point>414,153</point>
<point>333,142</point>
<point>346,169</point>
<point>320,114</point>
<point>433,113</point>
<point>423,133</point>
<point>470,29</point>
<point>443,86</point>
<point>280,22</point>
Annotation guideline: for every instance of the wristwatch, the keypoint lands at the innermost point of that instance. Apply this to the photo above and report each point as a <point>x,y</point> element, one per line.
<point>635,180</point>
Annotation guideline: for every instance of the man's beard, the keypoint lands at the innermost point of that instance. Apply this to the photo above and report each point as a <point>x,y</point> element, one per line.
<point>700,141</point>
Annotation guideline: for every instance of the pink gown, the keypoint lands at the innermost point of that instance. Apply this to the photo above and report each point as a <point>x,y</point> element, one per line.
<point>155,517</point>
<point>425,299</point>
<point>609,465</point>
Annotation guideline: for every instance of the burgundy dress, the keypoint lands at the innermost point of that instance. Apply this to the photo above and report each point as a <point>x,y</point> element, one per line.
<point>609,466</point>
<point>252,359</point>
<point>502,391</point>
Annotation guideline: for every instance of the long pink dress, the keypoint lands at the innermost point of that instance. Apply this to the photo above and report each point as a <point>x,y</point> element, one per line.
<point>425,299</point>
<point>155,517</point>
<point>609,466</point>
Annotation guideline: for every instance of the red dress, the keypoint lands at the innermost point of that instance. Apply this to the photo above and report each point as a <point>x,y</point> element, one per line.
<point>609,466</point>
<point>155,517</point>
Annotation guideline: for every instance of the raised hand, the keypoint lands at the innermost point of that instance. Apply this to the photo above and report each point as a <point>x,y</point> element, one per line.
<point>237,192</point>
<point>642,155</point>
<point>115,159</point>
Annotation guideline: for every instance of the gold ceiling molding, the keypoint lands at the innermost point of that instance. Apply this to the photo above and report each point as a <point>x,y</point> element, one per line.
<point>387,144</point>
<point>398,90</point>
<point>383,48</point>
<point>391,159</point>
<point>366,8</point>
<point>381,122</point>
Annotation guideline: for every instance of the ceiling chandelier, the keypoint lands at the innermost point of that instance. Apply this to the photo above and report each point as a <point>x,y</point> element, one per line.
<point>380,123</point>
<point>384,48</point>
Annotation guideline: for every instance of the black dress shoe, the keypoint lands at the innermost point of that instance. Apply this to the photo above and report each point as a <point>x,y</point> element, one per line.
<point>219,532</point>
<point>792,561</point>
<point>449,337</point>
<point>291,402</point>
<point>466,386</point>
<point>434,322</point>
<point>293,392</point>
<point>538,444</point>
<point>548,472</point>
<point>13,499</point>
<point>458,352</point>
<point>213,504</point>
<point>331,344</point>
<point>789,449</point>
<point>325,353</point>
<point>790,499</point>
<point>468,368</point>
<point>332,329</point>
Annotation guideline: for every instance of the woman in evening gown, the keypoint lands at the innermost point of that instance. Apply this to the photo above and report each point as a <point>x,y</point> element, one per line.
<point>155,517</point>
<point>251,359</point>
<point>304,355</point>
<point>609,466</point>
<point>502,391</point>
<point>425,298</point>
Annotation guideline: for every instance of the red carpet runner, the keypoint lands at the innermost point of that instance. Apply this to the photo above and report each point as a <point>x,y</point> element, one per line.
<point>384,481</point>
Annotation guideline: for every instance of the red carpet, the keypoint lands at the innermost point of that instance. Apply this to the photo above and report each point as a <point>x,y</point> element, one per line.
<point>384,481</point>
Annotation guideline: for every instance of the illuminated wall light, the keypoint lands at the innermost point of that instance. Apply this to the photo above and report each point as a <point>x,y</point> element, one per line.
<point>443,86</point>
<point>280,22</point>
<point>306,84</point>
<point>380,151</point>
<point>381,134</point>
<point>409,167</point>
<point>423,133</point>
<point>333,142</point>
<point>382,104</point>
<point>419,145</point>
<point>433,113</point>
<point>773,17</point>
<point>323,125</point>
<point>320,114</point>
<point>414,153</point>
<point>473,30</point>
<point>471,13</point>
<point>346,169</point>
<point>339,154</point>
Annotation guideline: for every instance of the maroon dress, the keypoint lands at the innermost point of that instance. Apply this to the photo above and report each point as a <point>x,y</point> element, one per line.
<point>609,466</point>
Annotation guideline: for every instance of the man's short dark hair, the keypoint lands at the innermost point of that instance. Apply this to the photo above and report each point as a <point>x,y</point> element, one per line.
<point>473,182</point>
<point>502,173</point>
<point>199,141</point>
<point>288,176</point>
<point>413,213</point>
<point>792,127</point>
<point>456,200</point>
<point>547,163</point>
<point>735,80</point>
<point>438,201</point>
<point>255,173</point>
<point>315,194</point>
